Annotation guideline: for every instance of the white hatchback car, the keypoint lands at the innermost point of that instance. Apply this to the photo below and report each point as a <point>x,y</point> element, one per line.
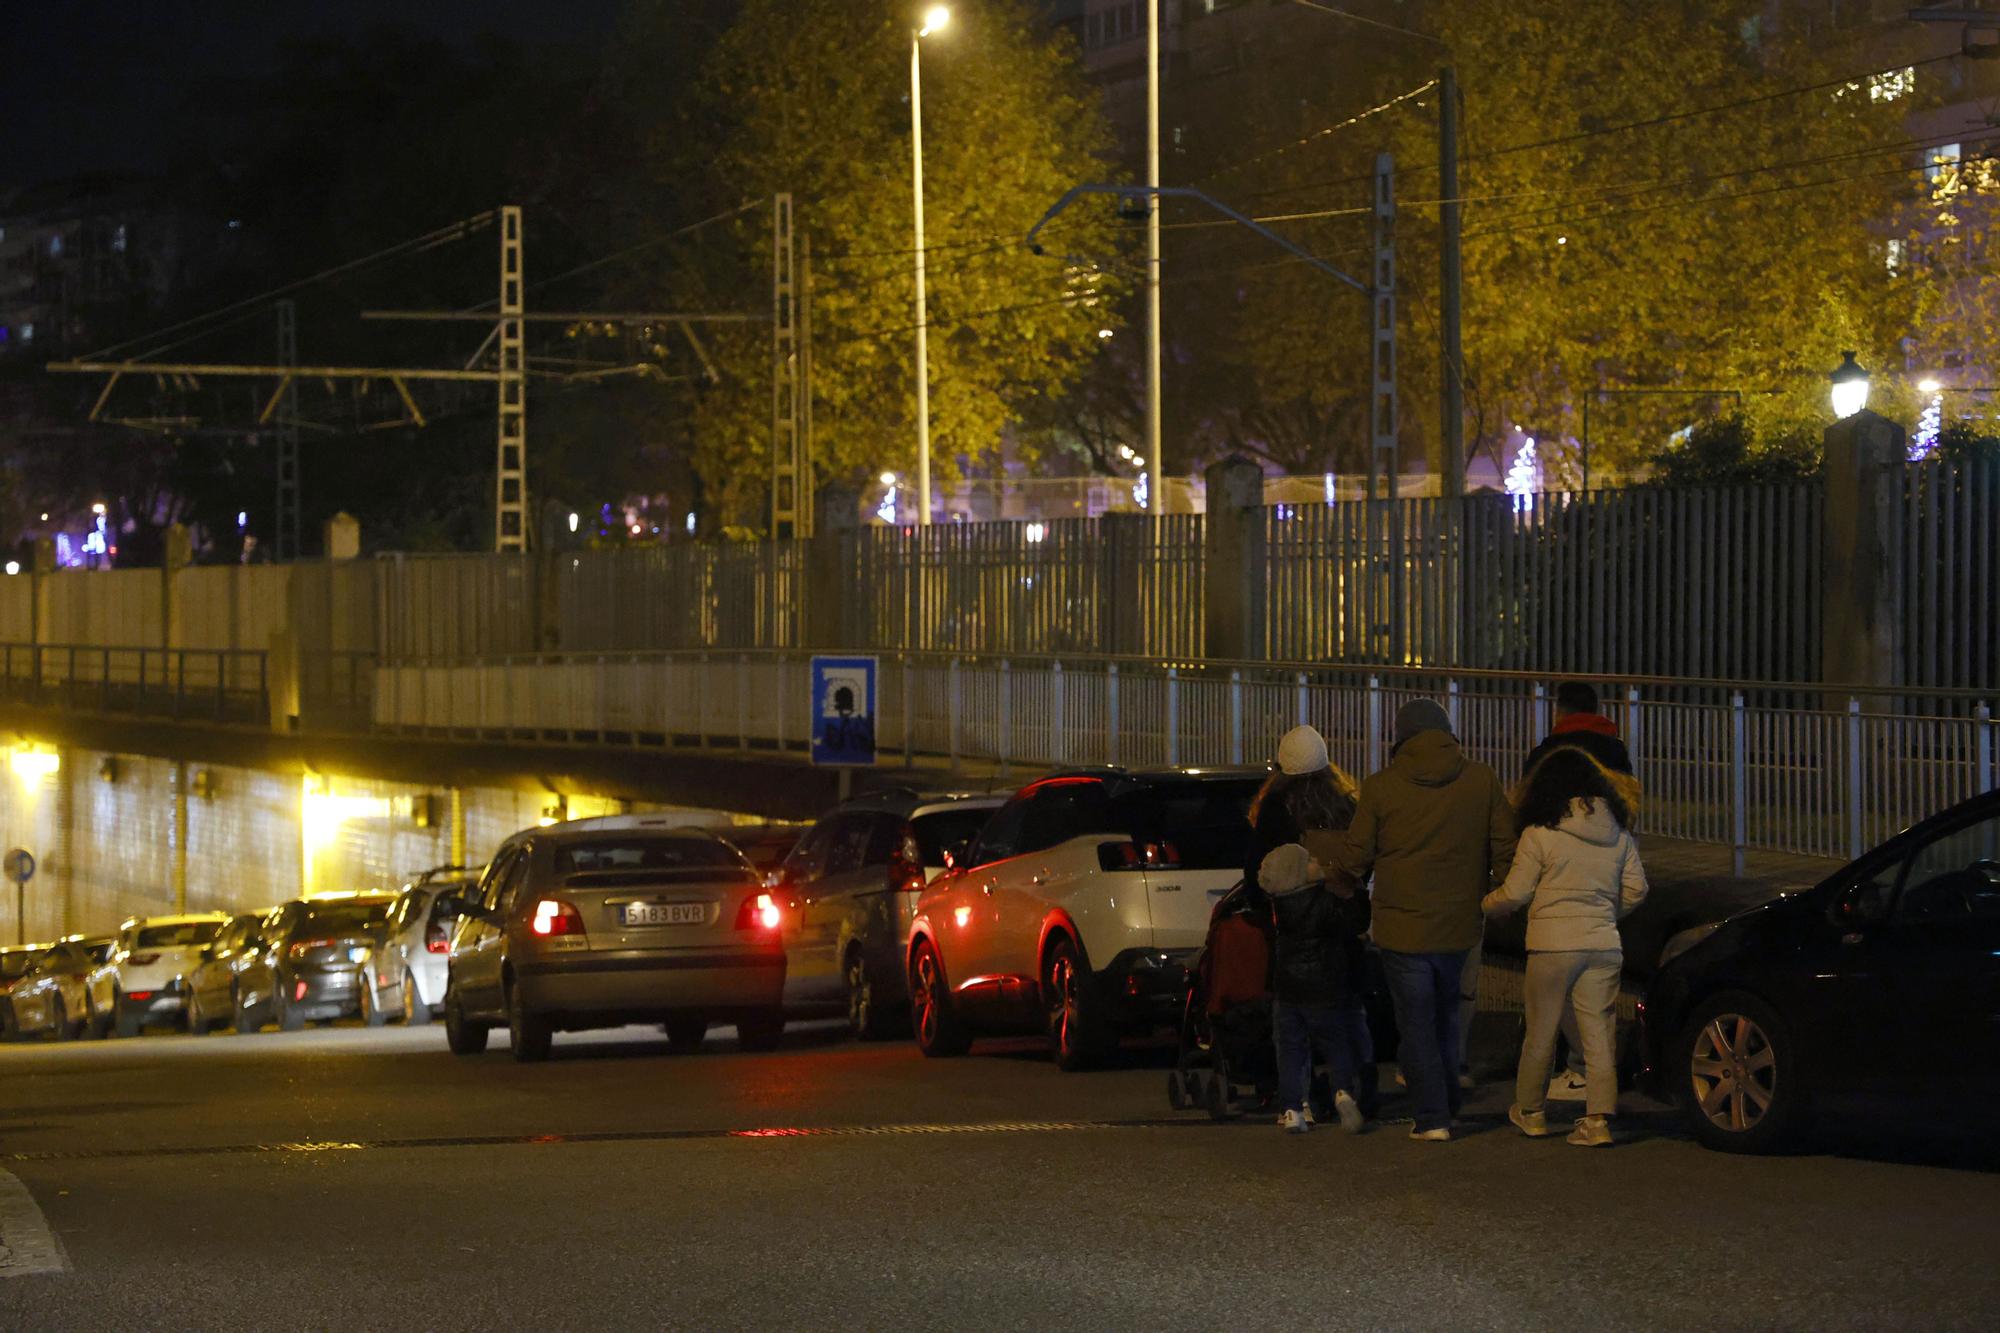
<point>1078,908</point>
<point>154,957</point>
<point>407,972</point>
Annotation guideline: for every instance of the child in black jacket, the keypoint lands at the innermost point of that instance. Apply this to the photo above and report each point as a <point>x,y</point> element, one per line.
<point>1316,1006</point>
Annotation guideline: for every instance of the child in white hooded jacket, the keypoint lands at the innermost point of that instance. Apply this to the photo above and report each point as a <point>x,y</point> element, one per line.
<point>1577,871</point>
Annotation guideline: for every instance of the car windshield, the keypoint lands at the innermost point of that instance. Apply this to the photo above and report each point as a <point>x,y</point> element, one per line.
<point>185,933</point>
<point>629,854</point>
<point>346,916</point>
<point>15,965</point>
<point>942,830</point>
<point>1208,822</point>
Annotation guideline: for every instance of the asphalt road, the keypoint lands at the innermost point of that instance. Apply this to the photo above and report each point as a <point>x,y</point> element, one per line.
<point>354,1179</point>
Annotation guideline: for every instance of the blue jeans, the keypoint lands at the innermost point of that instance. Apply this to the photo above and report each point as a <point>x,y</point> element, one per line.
<point>1308,1033</point>
<point>1424,990</point>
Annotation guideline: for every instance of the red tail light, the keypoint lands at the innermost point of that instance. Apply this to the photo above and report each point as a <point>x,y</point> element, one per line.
<point>553,916</point>
<point>138,995</point>
<point>438,944</point>
<point>1138,856</point>
<point>142,959</point>
<point>759,913</point>
<point>301,948</point>
<point>298,990</point>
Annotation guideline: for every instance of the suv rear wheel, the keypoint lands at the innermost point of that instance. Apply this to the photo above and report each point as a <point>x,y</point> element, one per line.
<point>939,1029</point>
<point>1740,1085</point>
<point>415,1011</point>
<point>1078,1035</point>
<point>867,1017</point>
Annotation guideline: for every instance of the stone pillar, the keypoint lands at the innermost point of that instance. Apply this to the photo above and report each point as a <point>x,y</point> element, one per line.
<point>179,836</point>
<point>828,558</point>
<point>1234,586</point>
<point>178,554</point>
<point>1861,572</point>
<point>457,853</point>
<point>343,537</point>
<point>43,570</point>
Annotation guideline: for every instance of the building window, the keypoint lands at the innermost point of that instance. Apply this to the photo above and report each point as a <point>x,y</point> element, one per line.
<point>1893,86</point>
<point>1892,256</point>
<point>1939,160</point>
<point>28,332</point>
<point>118,240</point>
<point>55,244</point>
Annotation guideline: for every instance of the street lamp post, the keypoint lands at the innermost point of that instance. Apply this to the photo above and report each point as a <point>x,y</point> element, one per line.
<point>1156,488</point>
<point>935,18</point>
<point>1849,391</point>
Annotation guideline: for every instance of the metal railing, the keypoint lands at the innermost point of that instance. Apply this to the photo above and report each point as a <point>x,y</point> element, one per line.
<point>1744,765</point>
<point>218,684</point>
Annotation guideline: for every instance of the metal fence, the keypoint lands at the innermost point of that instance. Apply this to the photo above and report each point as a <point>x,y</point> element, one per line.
<point>1735,770</point>
<point>215,685</point>
<point>1948,525</point>
<point>731,595</point>
<point>1116,584</point>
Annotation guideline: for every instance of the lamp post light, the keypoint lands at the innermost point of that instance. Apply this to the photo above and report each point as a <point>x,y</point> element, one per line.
<point>935,19</point>
<point>1849,393</point>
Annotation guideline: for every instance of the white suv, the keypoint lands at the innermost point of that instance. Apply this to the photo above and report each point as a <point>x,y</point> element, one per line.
<point>1077,909</point>
<point>154,958</point>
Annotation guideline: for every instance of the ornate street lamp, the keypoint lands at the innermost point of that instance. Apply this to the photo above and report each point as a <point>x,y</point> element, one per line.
<point>1850,387</point>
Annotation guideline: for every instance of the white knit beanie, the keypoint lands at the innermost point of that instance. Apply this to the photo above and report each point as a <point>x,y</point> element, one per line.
<point>1287,868</point>
<point>1303,750</point>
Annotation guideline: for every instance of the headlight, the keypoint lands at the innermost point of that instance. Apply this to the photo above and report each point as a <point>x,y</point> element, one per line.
<point>1686,940</point>
<point>358,954</point>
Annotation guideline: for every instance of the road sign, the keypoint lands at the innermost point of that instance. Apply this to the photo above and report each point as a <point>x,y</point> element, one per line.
<point>19,865</point>
<point>843,711</point>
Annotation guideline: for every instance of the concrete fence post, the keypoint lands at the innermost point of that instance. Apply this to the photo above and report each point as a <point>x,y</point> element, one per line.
<point>830,587</point>
<point>1058,751</point>
<point>1111,713</point>
<point>1173,715</point>
<point>1856,818</point>
<point>1739,786</point>
<point>1862,576</point>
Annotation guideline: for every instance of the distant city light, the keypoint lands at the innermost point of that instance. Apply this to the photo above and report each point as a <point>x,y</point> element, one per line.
<point>936,18</point>
<point>1104,333</point>
<point>32,765</point>
<point>1521,474</point>
<point>1140,491</point>
<point>13,567</point>
<point>1923,440</point>
<point>636,529</point>
<point>887,479</point>
<point>1034,532</point>
<point>573,521</point>
<point>242,518</point>
<point>98,509</point>
<point>690,523</point>
<point>1923,385</point>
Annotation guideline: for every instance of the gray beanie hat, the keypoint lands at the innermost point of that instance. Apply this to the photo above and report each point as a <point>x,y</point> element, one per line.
<point>1420,715</point>
<point>1286,869</point>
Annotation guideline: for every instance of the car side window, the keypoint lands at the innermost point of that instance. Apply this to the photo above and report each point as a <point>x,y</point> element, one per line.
<point>1059,811</point>
<point>849,847</point>
<point>808,860</point>
<point>510,888</point>
<point>885,840</point>
<point>1955,876</point>
<point>1001,838</point>
<point>496,875</point>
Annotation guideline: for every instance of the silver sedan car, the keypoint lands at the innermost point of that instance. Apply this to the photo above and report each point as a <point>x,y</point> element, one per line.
<point>605,922</point>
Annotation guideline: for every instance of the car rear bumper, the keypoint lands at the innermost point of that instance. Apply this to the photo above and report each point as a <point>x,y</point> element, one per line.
<point>1146,986</point>
<point>168,999</point>
<point>314,994</point>
<point>644,985</point>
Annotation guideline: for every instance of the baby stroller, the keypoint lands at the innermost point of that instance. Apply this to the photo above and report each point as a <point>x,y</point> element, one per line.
<point>1225,1045</point>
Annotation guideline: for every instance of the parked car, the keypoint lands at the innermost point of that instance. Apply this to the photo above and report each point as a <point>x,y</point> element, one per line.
<point>214,984</point>
<point>766,845</point>
<point>51,994</point>
<point>1884,978</point>
<point>849,891</point>
<point>15,963</point>
<point>1077,908</point>
<point>309,969</point>
<point>602,922</point>
<point>406,975</point>
<point>101,985</point>
<point>153,958</point>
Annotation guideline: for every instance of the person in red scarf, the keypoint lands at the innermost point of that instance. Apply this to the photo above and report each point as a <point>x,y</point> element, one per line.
<point>1578,723</point>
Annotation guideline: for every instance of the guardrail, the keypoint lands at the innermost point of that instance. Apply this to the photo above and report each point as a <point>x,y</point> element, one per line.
<point>1747,765</point>
<point>220,685</point>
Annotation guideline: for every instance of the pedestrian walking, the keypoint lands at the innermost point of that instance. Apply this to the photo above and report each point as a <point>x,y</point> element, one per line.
<point>1318,921</point>
<point>1580,724</point>
<point>1436,831</point>
<point>1310,800</point>
<point>1577,871</point>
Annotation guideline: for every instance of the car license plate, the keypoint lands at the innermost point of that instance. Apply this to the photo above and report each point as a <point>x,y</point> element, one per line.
<point>665,914</point>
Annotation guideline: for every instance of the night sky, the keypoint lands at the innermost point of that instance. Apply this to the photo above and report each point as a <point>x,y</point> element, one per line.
<point>91,86</point>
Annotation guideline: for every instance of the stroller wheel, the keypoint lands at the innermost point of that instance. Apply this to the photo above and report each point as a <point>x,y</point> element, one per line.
<point>1218,1099</point>
<point>1177,1096</point>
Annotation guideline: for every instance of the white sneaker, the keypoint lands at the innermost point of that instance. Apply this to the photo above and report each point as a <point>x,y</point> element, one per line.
<point>1308,1114</point>
<point>1430,1135</point>
<point>1349,1112</point>
<point>1567,1086</point>
<point>1292,1122</point>
<point>1591,1131</point>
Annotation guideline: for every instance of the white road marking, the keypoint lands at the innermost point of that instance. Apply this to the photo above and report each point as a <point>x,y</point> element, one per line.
<point>27,1246</point>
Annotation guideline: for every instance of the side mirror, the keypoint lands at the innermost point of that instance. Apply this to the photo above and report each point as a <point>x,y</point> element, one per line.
<point>1861,906</point>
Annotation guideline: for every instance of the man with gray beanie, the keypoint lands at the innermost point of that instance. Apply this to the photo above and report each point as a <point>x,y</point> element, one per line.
<point>1437,832</point>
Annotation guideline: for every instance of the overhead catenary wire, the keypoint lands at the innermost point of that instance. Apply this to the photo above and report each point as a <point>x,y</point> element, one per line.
<point>1355,119</point>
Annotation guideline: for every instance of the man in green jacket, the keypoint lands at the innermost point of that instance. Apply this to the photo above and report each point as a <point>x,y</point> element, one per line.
<point>1436,830</point>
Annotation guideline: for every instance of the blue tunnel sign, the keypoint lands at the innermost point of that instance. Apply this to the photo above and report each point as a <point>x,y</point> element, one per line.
<point>843,711</point>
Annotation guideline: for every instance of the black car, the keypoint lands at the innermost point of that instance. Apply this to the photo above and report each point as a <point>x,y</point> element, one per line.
<point>1884,978</point>
<point>310,967</point>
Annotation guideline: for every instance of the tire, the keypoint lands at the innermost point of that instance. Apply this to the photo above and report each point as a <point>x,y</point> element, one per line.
<point>244,1019</point>
<point>762,1031</point>
<point>940,1032</point>
<point>124,1021</point>
<point>372,1013</point>
<point>415,1012</point>
<point>867,1019</point>
<point>1078,1035</point>
<point>197,1021</point>
<point>1741,1088</point>
<point>289,1019</point>
<point>529,1036</point>
<point>1177,1098</point>
<point>685,1034</point>
<point>58,1020</point>
<point>100,1023</point>
<point>461,1034</point>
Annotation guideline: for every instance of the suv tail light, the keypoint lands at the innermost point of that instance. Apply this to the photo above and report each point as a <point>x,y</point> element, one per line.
<point>1138,856</point>
<point>553,916</point>
<point>759,913</point>
<point>435,942</point>
<point>142,959</point>
<point>300,948</point>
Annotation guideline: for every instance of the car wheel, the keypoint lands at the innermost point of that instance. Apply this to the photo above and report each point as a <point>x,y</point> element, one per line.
<point>1077,1032</point>
<point>415,1011</point>
<point>58,1020</point>
<point>100,1022</point>
<point>289,1019</point>
<point>372,1013</point>
<point>939,1029</point>
<point>197,1022</point>
<point>242,1017</point>
<point>867,1018</point>
<point>1741,1089</point>
<point>464,1036</point>
<point>760,1031</point>
<point>685,1034</point>
<point>124,1020</point>
<point>1177,1097</point>
<point>529,1035</point>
